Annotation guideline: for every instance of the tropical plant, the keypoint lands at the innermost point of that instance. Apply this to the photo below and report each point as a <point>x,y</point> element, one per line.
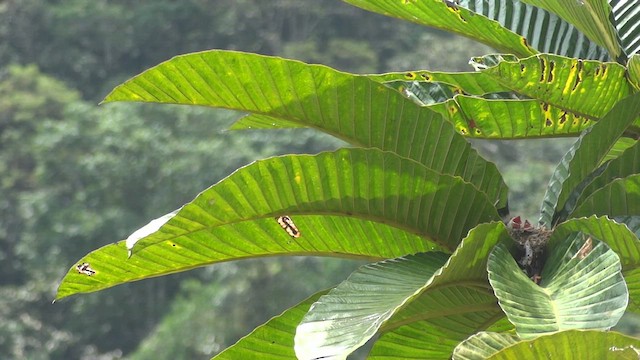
<point>450,273</point>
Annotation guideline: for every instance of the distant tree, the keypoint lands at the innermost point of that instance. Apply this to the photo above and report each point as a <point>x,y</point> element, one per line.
<point>449,266</point>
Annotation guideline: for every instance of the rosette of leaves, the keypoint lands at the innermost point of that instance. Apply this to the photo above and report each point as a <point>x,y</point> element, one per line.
<point>413,197</point>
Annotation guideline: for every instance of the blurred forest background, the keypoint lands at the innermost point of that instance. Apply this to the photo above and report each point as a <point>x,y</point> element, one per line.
<point>75,176</point>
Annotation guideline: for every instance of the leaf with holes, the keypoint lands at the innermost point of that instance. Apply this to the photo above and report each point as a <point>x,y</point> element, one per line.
<point>568,84</point>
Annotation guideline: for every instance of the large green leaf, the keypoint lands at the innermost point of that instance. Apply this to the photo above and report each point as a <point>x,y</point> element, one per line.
<point>564,82</point>
<point>368,203</point>
<point>586,155</point>
<point>401,297</point>
<point>435,338</point>
<point>346,318</point>
<point>628,163</point>
<point>572,344</point>
<point>590,16</point>
<point>620,237</point>
<point>354,108</point>
<point>633,71</point>
<point>618,198</point>
<point>450,17</point>
<point>483,344</point>
<point>577,291</point>
<point>272,340</point>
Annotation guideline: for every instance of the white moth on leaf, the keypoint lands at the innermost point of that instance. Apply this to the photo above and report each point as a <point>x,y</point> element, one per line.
<point>85,269</point>
<point>287,224</point>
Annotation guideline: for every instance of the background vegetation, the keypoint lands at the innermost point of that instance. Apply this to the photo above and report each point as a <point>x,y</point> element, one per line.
<point>74,176</point>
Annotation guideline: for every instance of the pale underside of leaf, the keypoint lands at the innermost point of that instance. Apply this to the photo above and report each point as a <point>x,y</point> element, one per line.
<point>589,16</point>
<point>544,31</point>
<point>482,345</point>
<point>626,18</point>
<point>576,291</point>
<point>343,320</point>
<point>456,297</point>
<point>620,238</point>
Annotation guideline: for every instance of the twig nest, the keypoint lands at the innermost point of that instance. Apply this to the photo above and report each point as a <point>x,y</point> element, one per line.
<point>532,242</point>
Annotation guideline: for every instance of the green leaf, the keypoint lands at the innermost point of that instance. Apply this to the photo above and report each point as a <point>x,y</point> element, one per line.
<point>566,83</point>
<point>402,298</point>
<point>586,155</point>
<point>633,71</point>
<point>625,165</point>
<point>258,121</point>
<point>272,340</point>
<point>449,17</point>
<point>343,320</point>
<point>354,108</point>
<point>483,344</point>
<point>367,203</point>
<point>620,238</point>
<point>619,148</point>
<point>577,291</point>
<point>590,16</point>
<point>433,339</point>
<point>509,119</point>
<point>618,198</point>
<point>574,344</point>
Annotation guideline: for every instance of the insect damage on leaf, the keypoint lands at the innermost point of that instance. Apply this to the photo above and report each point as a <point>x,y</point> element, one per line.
<point>287,224</point>
<point>585,249</point>
<point>85,269</point>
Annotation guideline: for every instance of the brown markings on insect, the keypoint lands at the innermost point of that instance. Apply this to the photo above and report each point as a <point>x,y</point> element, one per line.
<point>425,76</point>
<point>472,124</point>
<point>410,75</point>
<point>287,224</point>
<point>585,249</point>
<point>548,122</point>
<point>85,269</point>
